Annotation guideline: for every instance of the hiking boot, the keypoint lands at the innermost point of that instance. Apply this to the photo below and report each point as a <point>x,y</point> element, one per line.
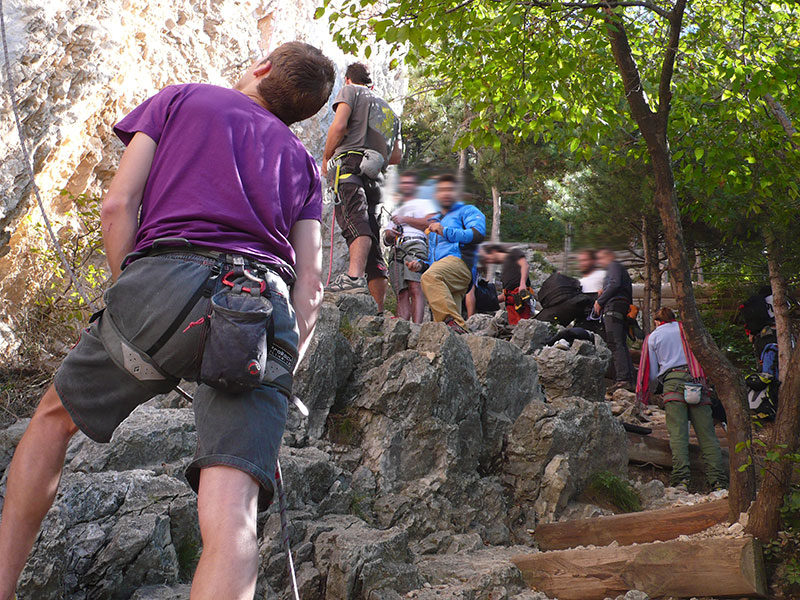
<point>682,486</point>
<point>451,323</point>
<point>345,284</point>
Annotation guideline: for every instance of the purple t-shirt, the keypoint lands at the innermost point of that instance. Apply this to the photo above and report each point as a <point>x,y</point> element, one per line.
<point>227,173</point>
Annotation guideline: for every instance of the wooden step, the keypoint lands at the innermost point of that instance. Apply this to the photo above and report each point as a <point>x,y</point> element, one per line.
<point>634,528</point>
<point>714,567</point>
<point>647,449</point>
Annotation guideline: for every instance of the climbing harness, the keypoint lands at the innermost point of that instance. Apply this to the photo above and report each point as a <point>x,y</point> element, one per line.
<point>26,159</point>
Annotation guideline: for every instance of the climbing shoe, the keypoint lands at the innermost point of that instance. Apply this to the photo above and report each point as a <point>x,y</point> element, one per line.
<point>451,323</point>
<point>345,284</point>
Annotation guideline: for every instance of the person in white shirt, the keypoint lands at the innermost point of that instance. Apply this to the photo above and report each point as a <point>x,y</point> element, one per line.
<point>593,276</point>
<point>406,236</point>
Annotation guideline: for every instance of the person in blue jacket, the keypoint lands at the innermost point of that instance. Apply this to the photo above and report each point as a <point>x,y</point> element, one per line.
<point>453,241</point>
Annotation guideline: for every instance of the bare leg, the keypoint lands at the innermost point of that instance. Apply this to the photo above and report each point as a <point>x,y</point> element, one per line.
<point>377,287</point>
<point>359,251</point>
<point>226,504</point>
<point>33,477</point>
<point>404,305</point>
<point>472,303</point>
<point>417,301</point>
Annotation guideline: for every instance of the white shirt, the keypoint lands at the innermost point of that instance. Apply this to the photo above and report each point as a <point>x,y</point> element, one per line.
<point>416,208</point>
<point>593,282</point>
<point>666,349</point>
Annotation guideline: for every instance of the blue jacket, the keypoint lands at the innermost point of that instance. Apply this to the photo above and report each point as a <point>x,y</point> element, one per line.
<point>464,228</point>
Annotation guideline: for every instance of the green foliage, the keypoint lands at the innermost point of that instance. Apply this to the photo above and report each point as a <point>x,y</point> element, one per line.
<point>48,322</point>
<point>605,488</point>
<point>783,553</point>
<point>731,340</point>
<point>343,428</point>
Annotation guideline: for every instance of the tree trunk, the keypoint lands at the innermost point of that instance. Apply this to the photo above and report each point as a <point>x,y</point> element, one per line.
<point>780,303</point>
<point>765,513</point>
<point>496,208</point>
<point>653,126</point>
<point>652,273</point>
<point>461,176</point>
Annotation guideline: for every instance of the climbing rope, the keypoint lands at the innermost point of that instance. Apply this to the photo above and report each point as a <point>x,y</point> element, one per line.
<point>285,528</point>
<point>29,168</point>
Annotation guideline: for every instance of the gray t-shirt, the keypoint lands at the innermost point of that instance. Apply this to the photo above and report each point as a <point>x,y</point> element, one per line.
<point>372,125</point>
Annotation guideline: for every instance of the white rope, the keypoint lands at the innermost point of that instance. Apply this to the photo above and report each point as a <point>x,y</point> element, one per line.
<point>29,168</point>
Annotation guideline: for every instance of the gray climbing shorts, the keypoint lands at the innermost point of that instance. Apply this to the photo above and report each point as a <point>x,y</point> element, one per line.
<point>103,378</point>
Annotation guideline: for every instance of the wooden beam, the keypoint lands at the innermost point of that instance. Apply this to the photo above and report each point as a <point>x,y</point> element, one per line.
<point>634,528</point>
<point>646,449</point>
<point>707,567</point>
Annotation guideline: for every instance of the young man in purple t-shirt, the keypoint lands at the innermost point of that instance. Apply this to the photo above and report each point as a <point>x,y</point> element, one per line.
<point>211,178</point>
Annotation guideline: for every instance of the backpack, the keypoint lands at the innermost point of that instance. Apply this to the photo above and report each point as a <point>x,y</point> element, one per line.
<point>755,313</point>
<point>762,396</point>
<point>486,297</point>
<point>769,360</point>
<point>557,289</point>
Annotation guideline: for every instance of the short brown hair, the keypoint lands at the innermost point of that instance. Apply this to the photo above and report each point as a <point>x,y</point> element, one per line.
<point>300,82</point>
<point>358,74</point>
<point>446,178</point>
<point>589,252</point>
<point>665,315</point>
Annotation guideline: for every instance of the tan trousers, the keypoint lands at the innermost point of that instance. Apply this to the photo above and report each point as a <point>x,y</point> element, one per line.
<point>444,284</point>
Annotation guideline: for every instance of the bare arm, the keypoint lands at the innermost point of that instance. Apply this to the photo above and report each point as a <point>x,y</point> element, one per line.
<point>397,154</point>
<point>523,273</point>
<point>420,223</point>
<point>336,133</point>
<point>119,214</point>
<point>306,240</point>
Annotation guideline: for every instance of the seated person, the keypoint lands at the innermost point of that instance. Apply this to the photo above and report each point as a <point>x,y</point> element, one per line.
<point>516,294</point>
<point>453,242</point>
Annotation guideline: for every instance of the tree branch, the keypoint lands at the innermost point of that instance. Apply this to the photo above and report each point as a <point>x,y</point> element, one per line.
<point>777,111</point>
<point>668,66</point>
<point>601,5</point>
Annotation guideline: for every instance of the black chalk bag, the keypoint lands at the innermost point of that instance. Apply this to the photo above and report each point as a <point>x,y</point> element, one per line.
<point>239,335</point>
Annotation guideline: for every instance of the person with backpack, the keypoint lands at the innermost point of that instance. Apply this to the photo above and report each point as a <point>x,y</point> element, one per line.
<point>517,294</point>
<point>667,359</point>
<point>363,140</point>
<point>613,303</point>
<point>215,201</point>
<point>451,268</point>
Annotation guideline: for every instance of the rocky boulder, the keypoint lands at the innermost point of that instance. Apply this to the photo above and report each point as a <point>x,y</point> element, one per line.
<point>553,450</point>
<point>531,334</point>
<point>576,371</point>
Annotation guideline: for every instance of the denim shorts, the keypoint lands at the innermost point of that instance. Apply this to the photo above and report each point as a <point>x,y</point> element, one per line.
<point>102,381</point>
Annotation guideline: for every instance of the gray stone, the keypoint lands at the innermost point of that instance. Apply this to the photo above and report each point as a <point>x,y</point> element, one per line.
<point>353,306</point>
<point>509,380</point>
<point>585,433</point>
<point>308,474</point>
<point>9,438</point>
<point>531,334</point>
<point>163,592</point>
<point>360,560</point>
<point>651,492</point>
<point>148,438</point>
<point>107,535</point>
<point>325,368</point>
<point>573,372</point>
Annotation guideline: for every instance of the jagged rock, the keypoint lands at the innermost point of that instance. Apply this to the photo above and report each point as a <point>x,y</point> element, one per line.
<point>9,438</point>
<point>575,511</point>
<point>360,561</point>
<point>651,492</point>
<point>163,592</point>
<point>531,334</point>
<point>321,374</point>
<point>353,306</point>
<point>309,474</point>
<point>480,575</point>
<point>419,412</point>
<point>509,380</point>
<point>111,533</point>
<point>148,438</point>
<point>480,324</point>
<point>576,371</point>
<point>555,489</point>
<point>583,432</point>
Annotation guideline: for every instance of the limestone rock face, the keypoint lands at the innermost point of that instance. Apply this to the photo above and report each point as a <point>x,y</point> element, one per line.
<point>553,450</point>
<point>575,371</point>
<point>80,65</point>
